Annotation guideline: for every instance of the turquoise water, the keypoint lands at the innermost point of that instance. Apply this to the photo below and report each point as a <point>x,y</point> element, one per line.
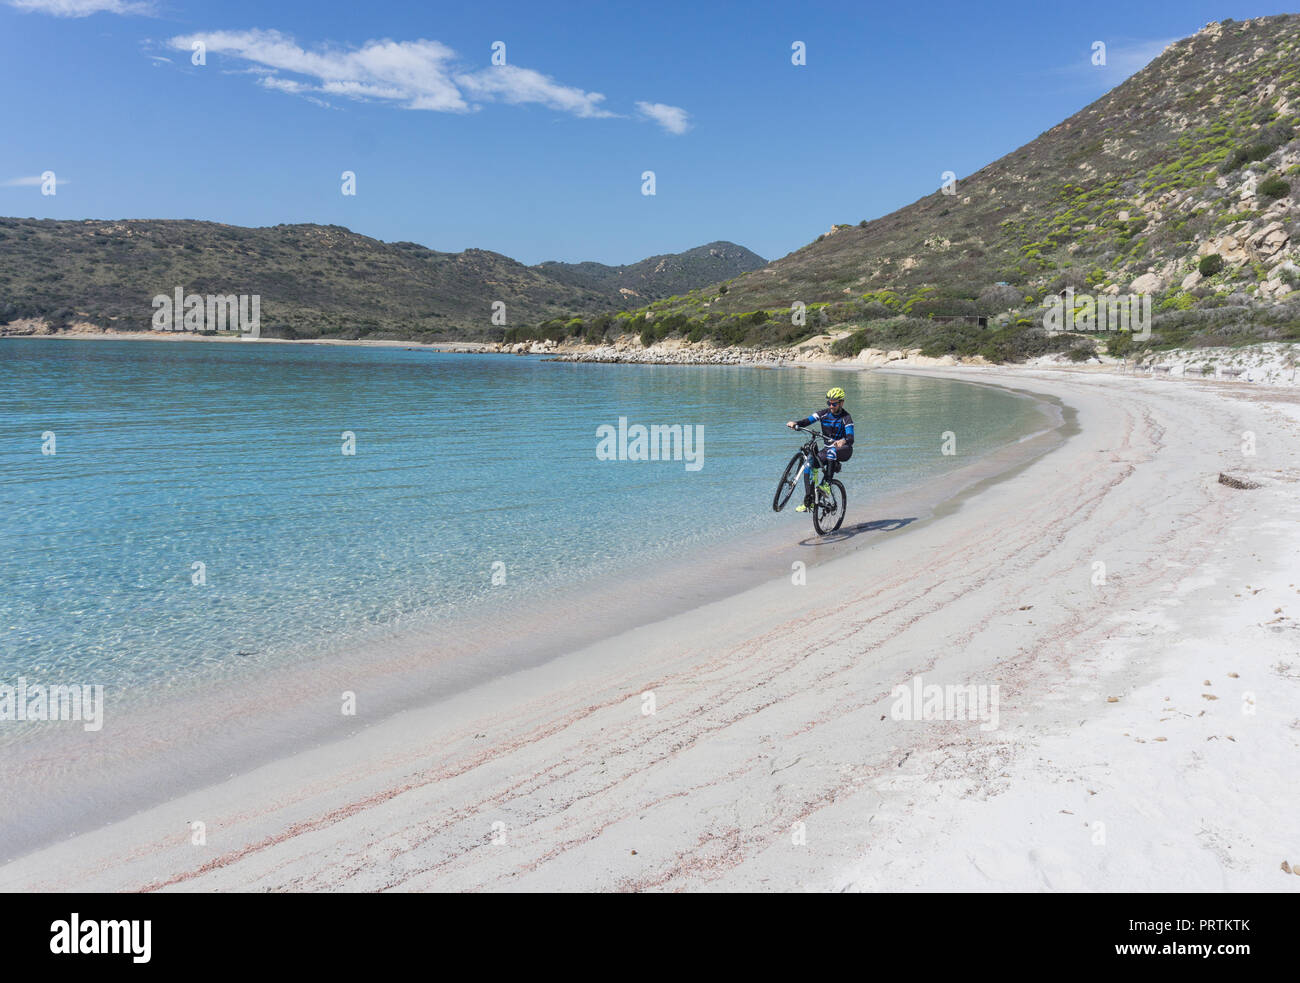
<point>466,469</point>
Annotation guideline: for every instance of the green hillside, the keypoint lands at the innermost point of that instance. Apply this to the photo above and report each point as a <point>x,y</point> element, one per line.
<point>314,281</point>
<point>1180,183</point>
<point>659,277</point>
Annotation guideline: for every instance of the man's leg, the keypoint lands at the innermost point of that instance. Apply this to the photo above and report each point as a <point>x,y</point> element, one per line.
<point>810,479</point>
<point>814,480</point>
<point>831,465</point>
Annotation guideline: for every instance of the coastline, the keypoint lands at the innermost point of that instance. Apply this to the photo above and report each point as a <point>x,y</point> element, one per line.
<point>1269,363</point>
<point>267,712</point>
<point>771,707</point>
<point>84,335</point>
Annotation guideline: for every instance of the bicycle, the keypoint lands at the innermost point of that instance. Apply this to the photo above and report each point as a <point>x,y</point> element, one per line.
<point>827,510</point>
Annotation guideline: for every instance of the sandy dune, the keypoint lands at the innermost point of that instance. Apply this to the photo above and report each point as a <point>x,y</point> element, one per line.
<point>1147,737</point>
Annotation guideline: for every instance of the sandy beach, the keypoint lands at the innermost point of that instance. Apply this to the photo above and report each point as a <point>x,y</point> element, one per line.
<point>1139,619</point>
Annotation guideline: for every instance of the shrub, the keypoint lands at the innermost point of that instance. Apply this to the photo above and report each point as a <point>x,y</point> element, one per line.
<point>553,330</point>
<point>1210,264</point>
<point>1119,344</point>
<point>1080,353</point>
<point>888,298</point>
<point>598,326</point>
<point>513,335</point>
<point>669,323</point>
<point>1274,187</point>
<point>1269,140</point>
<point>998,298</point>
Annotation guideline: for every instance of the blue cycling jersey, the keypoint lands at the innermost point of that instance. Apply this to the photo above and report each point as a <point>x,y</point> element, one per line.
<point>835,426</point>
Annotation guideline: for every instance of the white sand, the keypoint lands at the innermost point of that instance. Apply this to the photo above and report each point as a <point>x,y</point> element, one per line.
<point>773,709</point>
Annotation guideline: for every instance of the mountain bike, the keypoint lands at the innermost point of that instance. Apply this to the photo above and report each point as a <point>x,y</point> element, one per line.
<point>827,510</point>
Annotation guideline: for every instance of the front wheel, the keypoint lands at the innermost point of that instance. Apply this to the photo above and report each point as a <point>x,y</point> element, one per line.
<point>789,481</point>
<point>828,512</point>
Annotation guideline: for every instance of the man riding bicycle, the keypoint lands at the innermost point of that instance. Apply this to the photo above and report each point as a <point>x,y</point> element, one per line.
<point>837,426</point>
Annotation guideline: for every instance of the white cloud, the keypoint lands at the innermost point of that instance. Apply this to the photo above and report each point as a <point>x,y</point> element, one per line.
<point>283,85</point>
<point>1123,58</point>
<point>362,90</point>
<point>515,85</point>
<point>1128,59</point>
<point>410,74</point>
<point>30,182</point>
<point>674,119</point>
<point>413,74</point>
<point>82,8</point>
<point>293,87</point>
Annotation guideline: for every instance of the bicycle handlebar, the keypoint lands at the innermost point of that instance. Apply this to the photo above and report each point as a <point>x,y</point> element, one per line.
<point>816,434</point>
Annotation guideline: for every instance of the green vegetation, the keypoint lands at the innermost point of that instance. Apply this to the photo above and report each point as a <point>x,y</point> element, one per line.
<point>1274,187</point>
<point>658,278</point>
<point>319,281</point>
<point>1082,351</point>
<point>958,339</point>
<point>1267,140</point>
<point>1128,185</point>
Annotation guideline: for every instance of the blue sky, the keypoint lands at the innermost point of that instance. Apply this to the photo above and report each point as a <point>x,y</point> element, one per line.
<point>543,160</point>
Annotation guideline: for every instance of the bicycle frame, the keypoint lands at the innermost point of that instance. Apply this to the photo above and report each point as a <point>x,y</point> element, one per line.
<point>808,449</point>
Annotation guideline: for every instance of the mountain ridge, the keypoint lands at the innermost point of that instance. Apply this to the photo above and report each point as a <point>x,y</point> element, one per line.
<point>314,281</point>
<point>1176,184</point>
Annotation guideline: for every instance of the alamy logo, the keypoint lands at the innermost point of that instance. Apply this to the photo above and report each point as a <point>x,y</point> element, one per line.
<point>102,937</point>
<point>37,702</point>
<point>934,702</point>
<point>653,443</point>
<point>215,312</point>
<point>1122,312</point>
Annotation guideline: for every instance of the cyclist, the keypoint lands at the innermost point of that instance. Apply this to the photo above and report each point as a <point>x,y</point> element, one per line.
<point>837,425</point>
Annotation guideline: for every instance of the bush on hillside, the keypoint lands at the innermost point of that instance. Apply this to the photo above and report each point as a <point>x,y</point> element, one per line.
<point>997,298</point>
<point>1082,351</point>
<point>1267,140</point>
<point>1274,187</point>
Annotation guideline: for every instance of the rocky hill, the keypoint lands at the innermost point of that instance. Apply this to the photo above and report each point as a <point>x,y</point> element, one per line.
<point>659,276</point>
<point>1181,183</point>
<point>316,281</point>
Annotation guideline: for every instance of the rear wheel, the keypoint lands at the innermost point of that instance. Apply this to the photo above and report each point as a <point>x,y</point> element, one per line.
<point>789,481</point>
<point>828,512</point>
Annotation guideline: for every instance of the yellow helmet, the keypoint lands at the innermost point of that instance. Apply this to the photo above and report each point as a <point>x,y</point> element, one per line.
<point>836,393</point>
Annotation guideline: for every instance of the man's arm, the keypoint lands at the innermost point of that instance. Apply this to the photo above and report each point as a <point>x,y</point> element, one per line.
<point>811,418</point>
<point>848,431</point>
